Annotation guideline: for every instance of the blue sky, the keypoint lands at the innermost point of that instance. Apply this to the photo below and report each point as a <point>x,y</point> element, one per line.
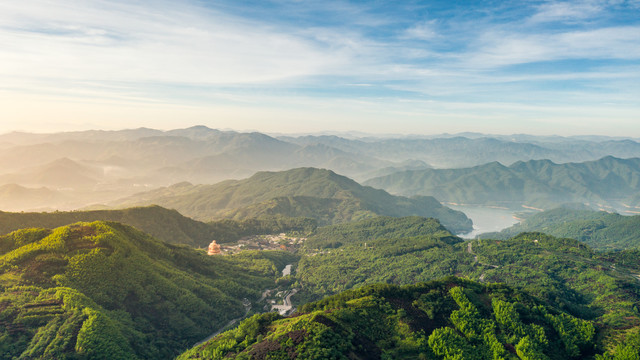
<point>412,67</point>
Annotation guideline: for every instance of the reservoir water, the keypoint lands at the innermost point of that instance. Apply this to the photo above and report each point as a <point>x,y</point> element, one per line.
<point>486,219</point>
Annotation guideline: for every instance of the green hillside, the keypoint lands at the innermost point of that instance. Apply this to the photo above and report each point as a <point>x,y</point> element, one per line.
<point>380,227</point>
<point>608,182</point>
<point>104,290</point>
<point>446,319</point>
<point>563,272</point>
<point>321,194</point>
<point>164,224</point>
<point>601,230</point>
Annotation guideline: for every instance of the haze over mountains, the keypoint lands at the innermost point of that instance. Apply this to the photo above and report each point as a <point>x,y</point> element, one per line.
<point>70,170</point>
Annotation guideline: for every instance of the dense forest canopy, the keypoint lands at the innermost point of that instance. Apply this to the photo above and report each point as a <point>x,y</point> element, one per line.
<point>104,290</point>
<point>446,319</point>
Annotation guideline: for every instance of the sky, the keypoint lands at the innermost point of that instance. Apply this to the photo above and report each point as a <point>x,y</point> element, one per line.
<point>295,66</point>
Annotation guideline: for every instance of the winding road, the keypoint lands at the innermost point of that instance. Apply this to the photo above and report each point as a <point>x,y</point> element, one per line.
<point>282,309</point>
<point>230,323</point>
<point>475,261</point>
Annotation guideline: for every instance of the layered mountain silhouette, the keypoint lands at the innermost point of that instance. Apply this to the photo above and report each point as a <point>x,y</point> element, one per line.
<point>97,166</point>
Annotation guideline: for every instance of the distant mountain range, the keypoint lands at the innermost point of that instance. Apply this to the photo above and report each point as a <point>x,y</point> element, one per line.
<point>606,183</point>
<point>97,166</point>
<point>14,197</point>
<point>460,151</point>
<point>316,193</point>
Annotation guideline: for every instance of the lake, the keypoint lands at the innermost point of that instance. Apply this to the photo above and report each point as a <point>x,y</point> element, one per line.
<point>486,219</point>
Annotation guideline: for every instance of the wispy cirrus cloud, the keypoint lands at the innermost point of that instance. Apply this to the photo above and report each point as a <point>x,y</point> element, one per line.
<point>167,42</point>
<point>258,56</point>
<point>495,49</point>
<point>426,30</point>
<point>567,11</point>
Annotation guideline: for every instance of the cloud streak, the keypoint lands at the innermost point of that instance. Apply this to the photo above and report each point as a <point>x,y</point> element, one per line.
<point>279,54</point>
<point>170,44</point>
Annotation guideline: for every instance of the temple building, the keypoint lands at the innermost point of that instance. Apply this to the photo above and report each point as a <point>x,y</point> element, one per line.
<point>214,248</point>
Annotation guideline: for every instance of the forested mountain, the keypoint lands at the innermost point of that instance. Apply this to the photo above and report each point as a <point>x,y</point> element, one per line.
<point>164,224</point>
<point>97,166</point>
<point>563,272</point>
<point>103,290</point>
<point>89,289</point>
<point>609,182</point>
<point>308,192</point>
<point>600,229</point>
<point>446,319</point>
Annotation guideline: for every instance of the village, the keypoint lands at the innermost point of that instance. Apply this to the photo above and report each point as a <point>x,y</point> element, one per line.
<point>275,299</point>
<point>257,242</point>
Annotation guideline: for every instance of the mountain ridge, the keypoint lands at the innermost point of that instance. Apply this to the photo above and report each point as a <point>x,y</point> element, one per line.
<point>608,182</point>
<point>229,199</point>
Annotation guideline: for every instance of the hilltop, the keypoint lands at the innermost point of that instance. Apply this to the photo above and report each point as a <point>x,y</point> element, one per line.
<point>164,224</point>
<point>321,194</point>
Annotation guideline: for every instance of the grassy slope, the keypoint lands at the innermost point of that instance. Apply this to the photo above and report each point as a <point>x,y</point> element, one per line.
<point>164,224</point>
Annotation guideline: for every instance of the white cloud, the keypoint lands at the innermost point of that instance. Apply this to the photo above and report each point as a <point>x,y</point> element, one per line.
<point>163,42</point>
<point>124,60</point>
<point>567,11</point>
<point>497,49</point>
<point>422,31</point>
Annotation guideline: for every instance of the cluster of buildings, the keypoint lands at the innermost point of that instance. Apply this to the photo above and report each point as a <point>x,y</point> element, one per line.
<point>257,242</point>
